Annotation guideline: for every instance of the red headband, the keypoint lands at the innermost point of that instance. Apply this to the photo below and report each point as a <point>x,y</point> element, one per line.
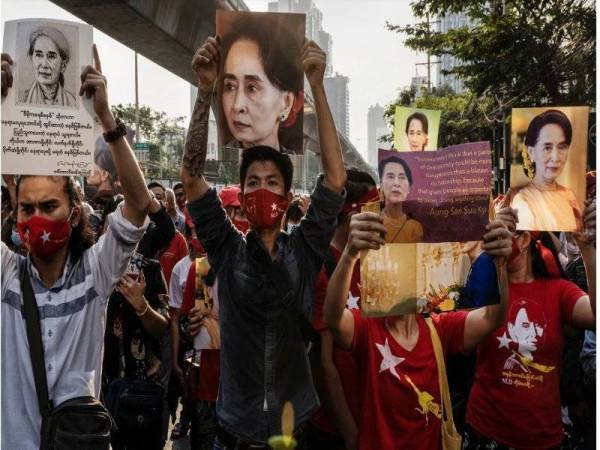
<point>370,196</point>
<point>546,254</point>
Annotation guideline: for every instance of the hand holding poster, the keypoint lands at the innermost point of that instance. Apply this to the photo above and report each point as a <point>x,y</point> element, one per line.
<point>440,196</point>
<point>422,278</point>
<point>47,129</point>
<point>261,82</point>
<point>547,173</point>
<point>416,130</point>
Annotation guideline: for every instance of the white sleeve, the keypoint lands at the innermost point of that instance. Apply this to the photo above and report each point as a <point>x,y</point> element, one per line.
<point>108,258</point>
<point>175,291</point>
<point>10,269</point>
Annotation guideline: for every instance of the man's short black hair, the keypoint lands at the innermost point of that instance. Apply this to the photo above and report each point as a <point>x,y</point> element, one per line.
<point>263,153</point>
<point>358,183</point>
<point>294,213</point>
<point>397,160</point>
<point>177,186</point>
<point>154,184</point>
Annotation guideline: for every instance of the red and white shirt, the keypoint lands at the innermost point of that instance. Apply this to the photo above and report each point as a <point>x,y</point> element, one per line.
<point>401,394</point>
<point>515,398</point>
<point>343,360</point>
<point>208,386</point>
<point>175,252</point>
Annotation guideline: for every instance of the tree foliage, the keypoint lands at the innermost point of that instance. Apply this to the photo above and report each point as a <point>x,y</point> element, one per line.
<point>465,116</point>
<point>164,134</point>
<point>518,52</point>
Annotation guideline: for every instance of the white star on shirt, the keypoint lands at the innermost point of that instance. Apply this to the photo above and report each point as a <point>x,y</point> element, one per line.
<point>274,206</point>
<point>352,302</point>
<point>389,361</point>
<point>504,341</point>
<point>45,236</point>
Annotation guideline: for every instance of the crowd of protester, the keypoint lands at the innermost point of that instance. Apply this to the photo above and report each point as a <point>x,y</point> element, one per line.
<point>213,310</point>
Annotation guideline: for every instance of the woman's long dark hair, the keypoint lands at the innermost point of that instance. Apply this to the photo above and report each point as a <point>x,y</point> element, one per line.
<point>82,236</point>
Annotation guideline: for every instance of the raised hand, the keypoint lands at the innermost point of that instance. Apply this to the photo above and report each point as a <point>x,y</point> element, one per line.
<point>93,85</point>
<point>366,231</point>
<point>509,217</point>
<point>205,63</point>
<point>133,291</point>
<point>497,241</point>
<point>587,237</point>
<point>314,62</point>
<point>7,77</point>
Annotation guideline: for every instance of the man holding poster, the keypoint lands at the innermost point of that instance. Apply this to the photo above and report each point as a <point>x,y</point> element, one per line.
<point>70,279</point>
<point>266,279</point>
<point>46,128</point>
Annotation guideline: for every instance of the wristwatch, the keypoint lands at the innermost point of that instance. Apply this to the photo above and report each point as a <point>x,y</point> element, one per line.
<point>113,135</point>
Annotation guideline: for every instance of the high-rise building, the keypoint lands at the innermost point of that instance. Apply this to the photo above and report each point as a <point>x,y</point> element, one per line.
<point>418,83</point>
<point>448,62</point>
<point>376,128</point>
<point>314,24</point>
<point>336,88</point>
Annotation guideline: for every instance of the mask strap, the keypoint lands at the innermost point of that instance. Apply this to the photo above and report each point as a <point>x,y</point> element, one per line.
<point>71,215</point>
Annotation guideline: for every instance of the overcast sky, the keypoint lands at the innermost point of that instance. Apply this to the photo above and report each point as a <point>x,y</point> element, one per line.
<point>373,58</point>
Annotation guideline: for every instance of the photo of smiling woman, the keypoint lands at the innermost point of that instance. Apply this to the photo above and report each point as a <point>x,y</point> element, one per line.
<point>396,180</point>
<point>544,203</point>
<point>48,58</point>
<point>260,84</point>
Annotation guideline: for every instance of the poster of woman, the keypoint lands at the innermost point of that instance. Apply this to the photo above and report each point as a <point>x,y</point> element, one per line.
<point>261,83</point>
<point>48,64</point>
<point>47,127</point>
<point>547,177</point>
<point>416,130</point>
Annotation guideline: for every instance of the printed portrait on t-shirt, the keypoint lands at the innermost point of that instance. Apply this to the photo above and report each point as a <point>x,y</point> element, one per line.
<point>523,337</point>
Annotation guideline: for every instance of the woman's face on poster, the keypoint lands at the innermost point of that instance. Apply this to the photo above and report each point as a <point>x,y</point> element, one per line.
<point>253,106</point>
<point>395,185</point>
<point>417,138</point>
<point>550,153</point>
<point>47,62</point>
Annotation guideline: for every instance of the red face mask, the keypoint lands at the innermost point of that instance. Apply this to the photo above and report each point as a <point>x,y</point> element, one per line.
<point>264,209</point>
<point>42,236</point>
<point>241,225</point>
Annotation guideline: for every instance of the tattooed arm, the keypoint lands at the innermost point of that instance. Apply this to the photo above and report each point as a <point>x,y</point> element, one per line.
<point>205,63</point>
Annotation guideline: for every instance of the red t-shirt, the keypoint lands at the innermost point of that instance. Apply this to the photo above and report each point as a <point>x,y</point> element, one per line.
<point>176,250</point>
<point>515,398</point>
<point>343,360</point>
<point>208,386</point>
<point>401,394</point>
